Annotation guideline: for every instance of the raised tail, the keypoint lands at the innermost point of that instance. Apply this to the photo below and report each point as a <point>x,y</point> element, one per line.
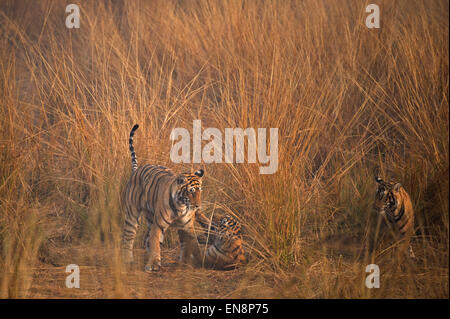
<point>134,164</point>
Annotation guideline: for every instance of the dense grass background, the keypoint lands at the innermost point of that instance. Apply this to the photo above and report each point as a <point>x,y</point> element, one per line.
<point>348,101</point>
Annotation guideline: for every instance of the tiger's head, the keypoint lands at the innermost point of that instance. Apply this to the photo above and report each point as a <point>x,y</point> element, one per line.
<point>189,189</point>
<point>229,231</point>
<point>229,241</point>
<point>230,225</point>
<point>386,197</point>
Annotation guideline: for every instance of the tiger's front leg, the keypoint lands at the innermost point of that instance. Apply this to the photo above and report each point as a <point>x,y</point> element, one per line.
<point>190,252</point>
<point>153,246</point>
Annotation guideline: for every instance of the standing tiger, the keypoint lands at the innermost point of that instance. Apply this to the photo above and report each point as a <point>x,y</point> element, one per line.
<point>393,203</point>
<point>165,199</point>
<point>226,251</point>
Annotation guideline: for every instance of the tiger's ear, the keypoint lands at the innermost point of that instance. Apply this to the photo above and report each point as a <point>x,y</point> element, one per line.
<point>199,173</point>
<point>181,180</point>
<point>378,179</point>
<point>397,187</point>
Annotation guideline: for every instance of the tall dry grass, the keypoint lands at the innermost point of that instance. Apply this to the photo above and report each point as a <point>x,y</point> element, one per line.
<point>347,101</point>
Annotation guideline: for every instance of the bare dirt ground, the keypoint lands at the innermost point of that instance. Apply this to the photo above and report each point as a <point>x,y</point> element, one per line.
<point>98,280</point>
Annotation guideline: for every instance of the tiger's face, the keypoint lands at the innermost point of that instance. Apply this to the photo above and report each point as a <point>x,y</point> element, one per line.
<point>190,189</point>
<point>386,196</point>
<point>229,226</point>
<point>229,241</point>
<point>230,235</point>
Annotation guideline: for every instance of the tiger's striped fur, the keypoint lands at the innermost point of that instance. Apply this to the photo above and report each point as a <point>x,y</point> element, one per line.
<point>226,251</point>
<point>164,199</point>
<point>394,205</point>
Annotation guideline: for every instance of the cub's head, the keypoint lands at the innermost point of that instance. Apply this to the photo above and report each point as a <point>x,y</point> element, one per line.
<point>386,196</point>
<point>229,226</point>
<point>190,189</point>
<point>229,233</point>
<point>230,242</point>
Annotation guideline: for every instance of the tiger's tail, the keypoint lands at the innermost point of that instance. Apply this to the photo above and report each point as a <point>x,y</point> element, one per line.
<point>134,164</point>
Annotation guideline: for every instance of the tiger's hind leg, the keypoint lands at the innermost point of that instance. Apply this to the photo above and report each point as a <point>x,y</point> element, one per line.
<point>129,233</point>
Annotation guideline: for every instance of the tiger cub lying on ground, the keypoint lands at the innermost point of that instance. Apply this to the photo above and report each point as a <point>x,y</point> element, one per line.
<point>394,205</point>
<point>224,244</point>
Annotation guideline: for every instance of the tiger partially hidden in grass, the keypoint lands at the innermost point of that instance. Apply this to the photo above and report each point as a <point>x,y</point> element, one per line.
<point>224,243</point>
<point>394,205</point>
<point>166,199</point>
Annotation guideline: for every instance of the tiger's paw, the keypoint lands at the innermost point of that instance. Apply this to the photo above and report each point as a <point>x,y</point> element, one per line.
<point>152,267</point>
